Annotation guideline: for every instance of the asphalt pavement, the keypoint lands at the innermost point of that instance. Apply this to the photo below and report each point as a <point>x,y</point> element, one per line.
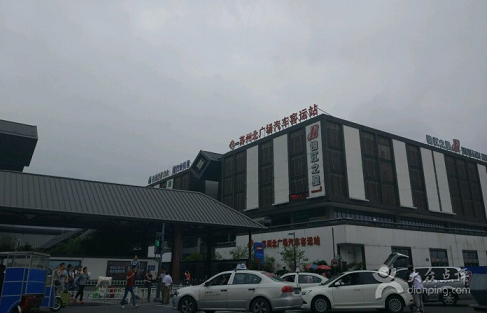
<point>112,306</point>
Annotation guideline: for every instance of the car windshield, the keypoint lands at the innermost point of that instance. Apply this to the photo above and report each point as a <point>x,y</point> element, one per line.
<point>273,277</point>
<point>333,278</point>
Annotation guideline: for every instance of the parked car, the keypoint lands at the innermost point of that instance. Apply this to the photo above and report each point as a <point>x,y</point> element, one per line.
<point>445,284</point>
<point>361,289</point>
<point>304,279</point>
<point>239,290</point>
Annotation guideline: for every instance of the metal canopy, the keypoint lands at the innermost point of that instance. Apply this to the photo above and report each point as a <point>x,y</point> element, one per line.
<point>30,199</point>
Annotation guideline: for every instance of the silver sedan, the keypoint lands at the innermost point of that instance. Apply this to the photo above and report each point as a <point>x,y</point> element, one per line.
<point>240,290</point>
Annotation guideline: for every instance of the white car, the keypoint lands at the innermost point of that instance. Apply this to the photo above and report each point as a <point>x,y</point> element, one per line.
<point>239,290</point>
<point>361,289</point>
<point>304,279</point>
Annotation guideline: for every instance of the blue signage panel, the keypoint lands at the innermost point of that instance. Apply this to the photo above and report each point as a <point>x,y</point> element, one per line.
<point>259,251</point>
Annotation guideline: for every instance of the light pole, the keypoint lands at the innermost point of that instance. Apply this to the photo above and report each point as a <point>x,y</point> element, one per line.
<point>295,260</point>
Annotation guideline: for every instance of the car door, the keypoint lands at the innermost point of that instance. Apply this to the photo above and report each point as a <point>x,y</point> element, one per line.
<point>214,294</point>
<point>347,291</point>
<point>241,289</point>
<point>370,284</point>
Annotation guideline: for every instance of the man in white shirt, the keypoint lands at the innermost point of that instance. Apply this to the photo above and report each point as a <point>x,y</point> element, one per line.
<point>167,282</point>
<point>417,288</point>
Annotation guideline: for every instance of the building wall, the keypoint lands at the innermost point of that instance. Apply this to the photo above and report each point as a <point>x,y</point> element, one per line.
<point>377,242</point>
<point>361,171</point>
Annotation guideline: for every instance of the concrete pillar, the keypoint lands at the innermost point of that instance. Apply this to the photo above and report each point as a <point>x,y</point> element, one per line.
<point>176,253</point>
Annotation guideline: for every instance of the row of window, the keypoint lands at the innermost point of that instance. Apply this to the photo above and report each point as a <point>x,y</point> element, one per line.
<point>379,169</point>
<point>438,257</point>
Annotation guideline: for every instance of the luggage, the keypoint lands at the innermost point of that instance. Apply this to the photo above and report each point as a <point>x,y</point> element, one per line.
<point>65,298</point>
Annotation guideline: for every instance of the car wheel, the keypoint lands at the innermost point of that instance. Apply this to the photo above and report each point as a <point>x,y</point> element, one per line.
<point>394,303</point>
<point>320,304</point>
<point>58,303</point>
<point>187,305</point>
<point>260,305</point>
<point>448,298</point>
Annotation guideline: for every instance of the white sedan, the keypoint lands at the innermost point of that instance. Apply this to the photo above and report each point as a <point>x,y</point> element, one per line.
<point>304,279</point>
<point>365,289</point>
<point>239,290</point>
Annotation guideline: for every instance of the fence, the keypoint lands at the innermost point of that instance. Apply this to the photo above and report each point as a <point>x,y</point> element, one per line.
<point>117,293</point>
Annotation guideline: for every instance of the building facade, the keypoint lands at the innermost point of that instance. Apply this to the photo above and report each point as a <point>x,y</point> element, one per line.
<point>346,191</point>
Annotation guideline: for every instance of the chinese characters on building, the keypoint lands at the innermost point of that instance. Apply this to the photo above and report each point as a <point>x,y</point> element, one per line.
<point>304,241</point>
<point>314,159</point>
<point>275,126</point>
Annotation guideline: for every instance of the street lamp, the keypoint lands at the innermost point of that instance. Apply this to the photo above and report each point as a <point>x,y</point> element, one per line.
<point>295,260</point>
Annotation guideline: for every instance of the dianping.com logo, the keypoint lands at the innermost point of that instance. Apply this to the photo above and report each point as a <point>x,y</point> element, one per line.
<point>385,277</point>
<point>439,291</point>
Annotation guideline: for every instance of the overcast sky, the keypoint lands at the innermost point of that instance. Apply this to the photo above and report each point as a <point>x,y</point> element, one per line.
<point>122,90</point>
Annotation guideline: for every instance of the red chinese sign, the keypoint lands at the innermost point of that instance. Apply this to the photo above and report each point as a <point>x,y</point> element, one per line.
<point>304,241</point>
<point>275,126</point>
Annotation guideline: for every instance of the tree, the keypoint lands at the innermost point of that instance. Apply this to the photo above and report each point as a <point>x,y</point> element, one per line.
<point>195,256</point>
<point>240,253</point>
<point>288,257</point>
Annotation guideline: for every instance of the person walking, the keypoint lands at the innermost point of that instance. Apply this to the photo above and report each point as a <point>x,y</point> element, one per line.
<point>187,278</point>
<point>148,278</point>
<point>131,275</point>
<point>82,280</point>
<point>417,288</point>
<point>70,286</point>
<point>167,282</point>
<point>62,277</point>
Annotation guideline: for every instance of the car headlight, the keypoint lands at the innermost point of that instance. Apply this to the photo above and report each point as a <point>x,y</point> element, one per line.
<point>306,292</point>
<point>176,293</point>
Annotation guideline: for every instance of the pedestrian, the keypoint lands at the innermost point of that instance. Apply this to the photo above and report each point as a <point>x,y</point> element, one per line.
<point>62,277</point>
<point>131,275</point>
<point>78,272</point>
<point>417,288</point>
<point>167,282</point>
<point>187,278</point>
<point>70,286</point>
<point>82,280</point>
<point>148,278</point>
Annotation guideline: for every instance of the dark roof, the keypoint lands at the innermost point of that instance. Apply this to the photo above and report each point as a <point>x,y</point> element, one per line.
<point>212,155</point>
<point>17,144</point>
<point>18,129</point>
<point>207,166</point>
<point>38,194</point>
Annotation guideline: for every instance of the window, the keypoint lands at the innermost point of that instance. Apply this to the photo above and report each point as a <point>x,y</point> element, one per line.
<point>439,257</point>
<point>246,278</point>
<point>368,278</point>
<point>465,190</point>
<point>416,176</point>
<point>336,157</point>
<point>471,259</point>
<point>290,278</point>
<point>266,174</point>
<point>373,190</point>
<point>298,162</point>
<point>350,279</point>
<point>220,280</point>
<point>309,279</point>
